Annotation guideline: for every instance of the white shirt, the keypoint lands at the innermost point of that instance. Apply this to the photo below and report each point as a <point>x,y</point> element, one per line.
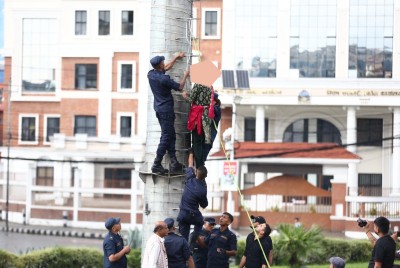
<point>155,255</point>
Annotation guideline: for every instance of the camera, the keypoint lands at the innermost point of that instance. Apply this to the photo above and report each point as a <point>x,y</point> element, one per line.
<point>362,222</point>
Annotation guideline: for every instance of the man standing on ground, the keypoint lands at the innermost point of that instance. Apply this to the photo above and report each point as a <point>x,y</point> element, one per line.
<point>198,247</point>
<point>155,255</point>
<point>161,85</point>
<point>253,256</point>
<point>383,253</point>
<point>113,245</point>
<point>194,195</point>
<point>222,243</point>
<point>177,247</point>
<point>257,220</point>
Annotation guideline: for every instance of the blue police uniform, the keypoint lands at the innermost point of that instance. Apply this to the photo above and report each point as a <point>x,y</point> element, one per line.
<point>217,239</point>
<point>161,85</point>
<point>178,251</point>
<point>113,244</point>
<point>194,194</point>
<point>199,253</point>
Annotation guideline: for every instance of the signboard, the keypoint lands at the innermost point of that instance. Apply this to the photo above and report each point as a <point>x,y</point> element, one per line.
<point>230,176</point>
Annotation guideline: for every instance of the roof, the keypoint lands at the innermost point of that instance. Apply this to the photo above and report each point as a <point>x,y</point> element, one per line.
<point>249,149</point>
<point>286,185</point>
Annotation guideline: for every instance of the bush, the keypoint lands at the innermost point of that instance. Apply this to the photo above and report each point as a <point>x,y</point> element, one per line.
<point>8,260</point>
<point>134,258</point>
<point>240,250</point>
<point>63,257</point>
<point>350,250</point>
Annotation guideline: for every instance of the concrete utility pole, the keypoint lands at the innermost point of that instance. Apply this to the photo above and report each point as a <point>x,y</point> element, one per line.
<point>170,33</point>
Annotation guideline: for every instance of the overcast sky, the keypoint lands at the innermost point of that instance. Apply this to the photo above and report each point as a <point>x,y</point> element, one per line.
<point>1,24</point>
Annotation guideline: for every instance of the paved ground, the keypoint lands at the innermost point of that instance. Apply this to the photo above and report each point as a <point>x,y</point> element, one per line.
<point>23,238</point>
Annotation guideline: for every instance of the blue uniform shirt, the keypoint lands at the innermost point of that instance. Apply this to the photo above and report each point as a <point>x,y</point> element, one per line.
<point>199,253</point>
<point>113,244</point>
<point>217,239</point>
<point>161,85</point>
<point>195,192</point>
<point>178,251</point>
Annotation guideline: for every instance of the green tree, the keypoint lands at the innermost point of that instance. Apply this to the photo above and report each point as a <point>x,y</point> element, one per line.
<point>296,244</point>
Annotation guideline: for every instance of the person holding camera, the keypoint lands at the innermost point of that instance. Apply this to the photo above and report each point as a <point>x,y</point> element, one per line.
<point>383,253</point>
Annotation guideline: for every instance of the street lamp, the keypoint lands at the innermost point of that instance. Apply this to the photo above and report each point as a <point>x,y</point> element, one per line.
<point>236,100</point>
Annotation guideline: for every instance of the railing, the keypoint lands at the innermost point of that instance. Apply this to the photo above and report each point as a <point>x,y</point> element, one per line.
<point>390,209</point>
<point>289,204</point>
<point>370,191</point>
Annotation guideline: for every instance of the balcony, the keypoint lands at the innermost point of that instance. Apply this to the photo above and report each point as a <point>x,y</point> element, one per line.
<point>372,202</point>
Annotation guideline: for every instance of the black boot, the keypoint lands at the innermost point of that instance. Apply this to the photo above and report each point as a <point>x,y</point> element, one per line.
<point>158,168</point>
<point>176,167</point>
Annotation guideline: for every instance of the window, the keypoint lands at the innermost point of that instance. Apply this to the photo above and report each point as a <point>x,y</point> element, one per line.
<point>211,23</point>
<point>80,22</point>
<point>39,54</point>
<point>85,76</point>
<point>28,129</point>
<point>127,23</point>
<point>256,50</point>
<point>370,184</point>
<point>127,75</point>
<point>45,176</point>
<point>125,124</point>
<point>313,38</point>
<point>371,39</point>
<point>369,132</point>
<point>250,129</point>
<point>52,127</point>
<point>249,180</point>
<point>312,131</point>
<point>117,178</point>
<point>85,125</point>
<point>104,22</point>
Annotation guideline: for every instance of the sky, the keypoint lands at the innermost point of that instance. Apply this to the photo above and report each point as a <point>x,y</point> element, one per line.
<point>1,24</point>
<point>1,38</point>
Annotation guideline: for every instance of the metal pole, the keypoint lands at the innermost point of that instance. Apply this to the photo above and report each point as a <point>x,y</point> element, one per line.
<point>8,151</point>
<point>232,155</point>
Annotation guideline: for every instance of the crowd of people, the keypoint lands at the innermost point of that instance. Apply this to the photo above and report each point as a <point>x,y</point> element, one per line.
<point>207,246</point>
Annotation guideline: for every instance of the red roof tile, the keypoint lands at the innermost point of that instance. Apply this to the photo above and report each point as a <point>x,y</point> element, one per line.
<point>289,150</point>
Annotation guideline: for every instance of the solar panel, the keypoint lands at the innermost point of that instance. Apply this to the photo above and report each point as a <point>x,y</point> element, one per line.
<point>242,78</point>
<point>228,80</point>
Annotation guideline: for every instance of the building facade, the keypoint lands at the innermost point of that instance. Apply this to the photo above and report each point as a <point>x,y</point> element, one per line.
<point>297,73</point>
<point>76,137</point>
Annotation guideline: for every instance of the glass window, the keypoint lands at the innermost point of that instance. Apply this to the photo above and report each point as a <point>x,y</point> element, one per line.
<point>39,54</point>
<point>80,22</point>
<point>313,38</point>
<point>370,184</point>
<point>256,37</point>
<point>369,132</point>
<point>117,178</point>
<point>45,176</point>
<point>28,129</point>
<point>126,75</point>
<point>305,130</point>
<point>211,23</point>
<point>126,126</point>
<point>104,22</point>
<point>85,125</point>
<point>250,129</point>
<point>85,76</point>
<point>127,23</point>
<point>53,126</point>
<point>371,35</point>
